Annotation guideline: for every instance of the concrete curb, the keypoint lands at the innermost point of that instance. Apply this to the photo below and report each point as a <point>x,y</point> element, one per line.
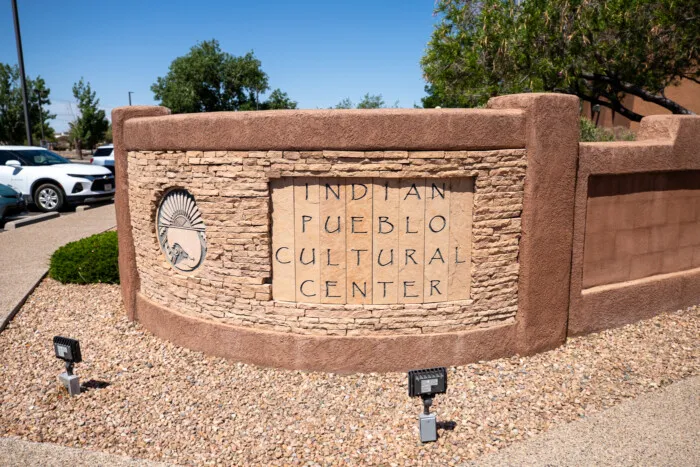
<point>31,220</point>
<point>6,319</point>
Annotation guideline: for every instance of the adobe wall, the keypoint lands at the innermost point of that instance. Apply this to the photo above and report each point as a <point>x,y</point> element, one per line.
<point>637,226</point>
<point>350,240</point>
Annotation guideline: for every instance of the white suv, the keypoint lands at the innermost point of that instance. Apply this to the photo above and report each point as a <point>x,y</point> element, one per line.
<point>50,181</point>
<point>104,156</point>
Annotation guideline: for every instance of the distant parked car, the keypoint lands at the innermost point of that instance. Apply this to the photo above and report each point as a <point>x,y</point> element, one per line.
<point>49,181</point>
<point>11,202</point>
<point>104,156</point>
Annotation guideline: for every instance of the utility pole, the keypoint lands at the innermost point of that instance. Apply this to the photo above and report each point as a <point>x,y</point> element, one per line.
<point>41,115</point>
<point>20,58</point>
<point>130,93</point>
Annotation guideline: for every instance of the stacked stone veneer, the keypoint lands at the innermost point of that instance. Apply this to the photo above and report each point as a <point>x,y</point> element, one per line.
<point>233,285</point>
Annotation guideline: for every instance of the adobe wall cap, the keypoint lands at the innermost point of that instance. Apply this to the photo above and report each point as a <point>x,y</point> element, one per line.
<point>381,129</point>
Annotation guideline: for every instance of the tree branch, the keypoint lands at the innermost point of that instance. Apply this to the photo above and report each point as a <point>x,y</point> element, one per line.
<point>690,78</point>
<point>629,88</point>
<point>616,106</point>
<point>611,104</point>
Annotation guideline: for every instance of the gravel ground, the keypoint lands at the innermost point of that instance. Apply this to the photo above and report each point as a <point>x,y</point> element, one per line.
<point>149,399</point>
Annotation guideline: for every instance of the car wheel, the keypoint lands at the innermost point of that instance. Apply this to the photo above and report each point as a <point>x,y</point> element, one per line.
<point>48,197</point>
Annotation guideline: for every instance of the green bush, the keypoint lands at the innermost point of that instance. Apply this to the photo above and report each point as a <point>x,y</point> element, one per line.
<point>590,132</point>
<point>87,261</point>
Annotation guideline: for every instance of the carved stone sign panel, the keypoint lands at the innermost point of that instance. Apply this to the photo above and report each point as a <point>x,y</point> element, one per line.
<point>181,231</point>
<point>371,241</point>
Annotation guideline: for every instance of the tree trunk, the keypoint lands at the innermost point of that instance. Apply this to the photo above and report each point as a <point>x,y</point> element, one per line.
<point>643,94</point>
<point>79,149</point>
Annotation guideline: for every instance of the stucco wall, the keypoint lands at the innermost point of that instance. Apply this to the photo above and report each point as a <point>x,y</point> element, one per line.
<point>640,225</point>
<point>636,230</point>
<point>520,155</point>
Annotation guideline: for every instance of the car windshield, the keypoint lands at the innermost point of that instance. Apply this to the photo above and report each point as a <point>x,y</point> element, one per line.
<point>102,152</point>
<point>39,157</point>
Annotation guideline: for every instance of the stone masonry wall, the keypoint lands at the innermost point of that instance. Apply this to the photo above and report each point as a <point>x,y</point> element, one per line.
<point>233,285</point>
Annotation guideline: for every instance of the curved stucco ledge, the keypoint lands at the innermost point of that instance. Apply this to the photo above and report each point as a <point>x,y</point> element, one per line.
<point>325,353</point>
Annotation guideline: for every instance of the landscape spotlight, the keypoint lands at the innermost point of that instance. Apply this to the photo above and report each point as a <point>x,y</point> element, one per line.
<point>68,350</point>
<point>426,384</point>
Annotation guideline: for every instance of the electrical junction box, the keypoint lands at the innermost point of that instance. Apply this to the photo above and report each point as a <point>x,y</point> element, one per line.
<point>427,424</point>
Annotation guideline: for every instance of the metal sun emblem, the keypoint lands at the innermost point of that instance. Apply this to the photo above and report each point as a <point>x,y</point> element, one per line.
<point>181,231</point>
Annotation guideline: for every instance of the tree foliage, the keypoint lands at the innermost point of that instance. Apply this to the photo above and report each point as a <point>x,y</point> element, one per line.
<point>90,127</point>
<point>208,79</point>
<point>598,50</point>
<point>344,104</point>
<point>12,129</point>
<point>278,100</point>
<point>369,101</point>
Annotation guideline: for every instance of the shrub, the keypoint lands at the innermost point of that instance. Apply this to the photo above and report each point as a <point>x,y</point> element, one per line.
<point>590,132</point>
<point>87,261</point>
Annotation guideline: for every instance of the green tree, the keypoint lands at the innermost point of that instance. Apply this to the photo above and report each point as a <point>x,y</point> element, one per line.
<point>278,100</point>
<point>208,79</point>
<point>370,101</point>
<point>344,104</point>
<point>108,135</point>
<point>12,130</point>
<point>39,114</point>
<point>598,50</point>
<point>90,127</point>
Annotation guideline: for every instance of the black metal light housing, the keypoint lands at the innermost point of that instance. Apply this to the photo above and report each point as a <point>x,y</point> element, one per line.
<point>67,349</point>
<point>427,382</point>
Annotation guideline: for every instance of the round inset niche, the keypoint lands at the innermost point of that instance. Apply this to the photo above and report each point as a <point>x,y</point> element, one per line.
<point>181,231</point>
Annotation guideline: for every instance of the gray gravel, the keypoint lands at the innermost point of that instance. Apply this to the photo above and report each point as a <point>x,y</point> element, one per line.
<point>178,406</point>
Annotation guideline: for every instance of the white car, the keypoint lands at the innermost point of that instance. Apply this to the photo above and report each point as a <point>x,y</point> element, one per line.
<point>104,156</point>
<point>50,181</point>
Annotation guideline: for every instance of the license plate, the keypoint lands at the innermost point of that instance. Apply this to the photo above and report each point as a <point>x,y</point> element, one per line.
<point>108,187</point>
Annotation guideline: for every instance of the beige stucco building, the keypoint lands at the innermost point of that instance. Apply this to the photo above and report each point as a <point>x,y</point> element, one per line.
<point>687,93</point>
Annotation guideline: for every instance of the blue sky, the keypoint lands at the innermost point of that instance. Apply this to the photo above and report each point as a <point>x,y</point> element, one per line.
<point>317,51</point>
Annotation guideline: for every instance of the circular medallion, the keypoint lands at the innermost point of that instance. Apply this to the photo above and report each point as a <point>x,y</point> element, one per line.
<point>181,230</point>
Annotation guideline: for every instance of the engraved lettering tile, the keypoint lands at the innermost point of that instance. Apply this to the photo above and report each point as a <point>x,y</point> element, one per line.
<point>371,241</point>
<point>437,240</point>
<point>411,227</point>
<point>332,240</point>
<point>386,240</point>
<point>461,207</point>
<point>358,229</point>
<point>283,257</point>
<point>306,239</point>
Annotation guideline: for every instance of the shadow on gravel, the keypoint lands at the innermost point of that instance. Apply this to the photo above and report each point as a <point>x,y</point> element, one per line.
<point>93,384</point>
<point>449,426</point>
